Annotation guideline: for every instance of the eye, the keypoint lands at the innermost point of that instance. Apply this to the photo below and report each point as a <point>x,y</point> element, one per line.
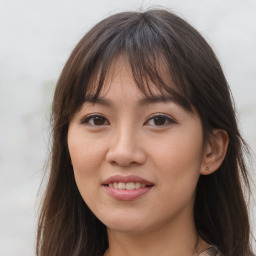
<point>95,120</point>
<point>159,120</point>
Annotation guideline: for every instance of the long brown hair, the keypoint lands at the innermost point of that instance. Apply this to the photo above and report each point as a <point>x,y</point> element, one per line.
<point>150,40</point>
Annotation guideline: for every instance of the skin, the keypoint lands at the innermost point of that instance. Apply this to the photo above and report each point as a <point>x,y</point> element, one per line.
<point>127,140</point>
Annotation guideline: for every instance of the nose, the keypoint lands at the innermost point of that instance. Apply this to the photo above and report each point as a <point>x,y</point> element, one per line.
<point>125,147</point>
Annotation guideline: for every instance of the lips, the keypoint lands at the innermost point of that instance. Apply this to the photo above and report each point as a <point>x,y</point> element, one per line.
<point>127,187</point>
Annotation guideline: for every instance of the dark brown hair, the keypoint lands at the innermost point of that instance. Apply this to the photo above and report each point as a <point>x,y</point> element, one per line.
<point>151,41</point>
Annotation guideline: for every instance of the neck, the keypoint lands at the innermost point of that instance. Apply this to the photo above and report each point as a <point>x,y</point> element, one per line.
<point>178,238</point>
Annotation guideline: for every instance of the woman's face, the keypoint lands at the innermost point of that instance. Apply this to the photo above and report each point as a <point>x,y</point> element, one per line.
<point>136,161</point>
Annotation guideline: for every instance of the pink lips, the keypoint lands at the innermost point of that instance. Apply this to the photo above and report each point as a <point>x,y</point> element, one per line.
<point>126,195</point>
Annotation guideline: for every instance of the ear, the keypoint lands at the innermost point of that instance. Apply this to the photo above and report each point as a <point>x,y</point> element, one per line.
<point>215,151</point>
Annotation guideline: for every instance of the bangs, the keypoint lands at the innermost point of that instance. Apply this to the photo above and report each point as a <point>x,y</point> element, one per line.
<point>153,62</point>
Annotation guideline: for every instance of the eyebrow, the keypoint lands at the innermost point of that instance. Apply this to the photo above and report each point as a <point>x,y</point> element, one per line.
<point>143,101</point>
<point>156,99</point>
<point>99,100</point>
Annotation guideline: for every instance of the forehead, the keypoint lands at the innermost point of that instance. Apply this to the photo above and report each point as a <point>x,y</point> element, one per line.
<point>120,72</point>
<point>122,75</point>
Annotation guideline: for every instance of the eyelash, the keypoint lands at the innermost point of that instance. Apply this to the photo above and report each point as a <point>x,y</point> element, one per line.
<point>91,118</point>
<point>167,120</point>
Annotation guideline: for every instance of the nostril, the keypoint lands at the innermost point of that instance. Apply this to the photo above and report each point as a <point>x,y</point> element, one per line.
<point>125,155</point>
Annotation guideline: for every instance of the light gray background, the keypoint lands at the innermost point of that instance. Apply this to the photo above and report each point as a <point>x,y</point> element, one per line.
<point>36,38</point>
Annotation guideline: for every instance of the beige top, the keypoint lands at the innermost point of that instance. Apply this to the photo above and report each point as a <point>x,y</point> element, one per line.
<point>211,251</point>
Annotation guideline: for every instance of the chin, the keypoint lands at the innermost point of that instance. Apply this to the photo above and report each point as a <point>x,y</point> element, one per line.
<point>133,225</point>
<point>128,229</point>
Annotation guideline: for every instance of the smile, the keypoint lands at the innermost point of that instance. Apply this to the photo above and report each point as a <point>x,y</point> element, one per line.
<point>127,187</point>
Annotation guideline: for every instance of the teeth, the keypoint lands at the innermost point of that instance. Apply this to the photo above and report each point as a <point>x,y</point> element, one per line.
<point>121,185</point>
<point>139,185</point>
<point>128,186</point>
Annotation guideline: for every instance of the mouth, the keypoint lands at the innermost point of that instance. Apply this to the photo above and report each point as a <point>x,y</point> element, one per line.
<point>127,187</point>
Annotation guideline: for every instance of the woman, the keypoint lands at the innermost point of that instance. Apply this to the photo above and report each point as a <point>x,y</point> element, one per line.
<point>146,153</point>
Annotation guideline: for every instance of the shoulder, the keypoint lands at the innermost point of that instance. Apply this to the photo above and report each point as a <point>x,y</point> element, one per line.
<point>211,251</point>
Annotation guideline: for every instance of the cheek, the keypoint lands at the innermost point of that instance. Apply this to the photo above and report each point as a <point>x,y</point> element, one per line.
<point>180,149</point>
<point>178,159</point>
<point>85,165</point>
<point>85,154</point>
<point>86,157</point>
<point>182,154</point>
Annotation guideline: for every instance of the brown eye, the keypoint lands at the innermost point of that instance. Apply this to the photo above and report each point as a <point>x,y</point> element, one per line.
<point>159,120</point>
<point>95,120</point>
<point>98,120</point>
